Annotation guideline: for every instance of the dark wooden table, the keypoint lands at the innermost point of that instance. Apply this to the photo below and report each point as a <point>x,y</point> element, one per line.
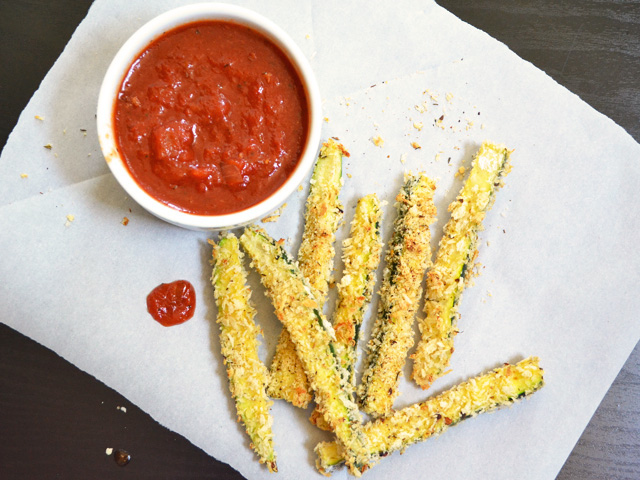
<point>56,421</point>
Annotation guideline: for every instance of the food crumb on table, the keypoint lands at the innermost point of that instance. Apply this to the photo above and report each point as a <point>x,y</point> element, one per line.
<point>378,141</point>
<point>276,215</point>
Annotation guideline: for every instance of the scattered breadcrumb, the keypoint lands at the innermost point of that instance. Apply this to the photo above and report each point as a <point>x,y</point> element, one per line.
<point>122,409</point>
<point>48,146</point>
<point>39,117</point>
<point>449,97</point>
<point>437,157</point>
<point>109,451</point>
<point>378,141</point>
<point>460,172</point>
<point>418,125</point>
<point>433,96</point>
<point>70,218</point>
<point>326,119</point>
<point>275,215</point>
<point>416,145</point>
<point>422,107</point>
<point>300,188</point>
<point>349,175</point>
<point>23,175</point>
<point>307,36</point>
<point>125,221</point>
<point>403,158</point>
<point>482,126</point>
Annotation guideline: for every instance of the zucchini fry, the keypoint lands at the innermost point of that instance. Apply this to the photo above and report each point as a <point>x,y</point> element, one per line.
<point>408,256</point>
<point>454,261</point>
<point>323,214</point>
<point>248,376</point>
<point>315,258</point>
<point>361,256</point>
<point>298,310</point>
<point>499,388</point>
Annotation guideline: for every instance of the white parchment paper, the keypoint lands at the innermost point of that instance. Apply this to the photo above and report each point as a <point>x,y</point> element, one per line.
<point>558,253</point>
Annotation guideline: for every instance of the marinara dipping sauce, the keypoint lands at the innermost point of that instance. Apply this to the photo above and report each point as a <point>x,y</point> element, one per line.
<point>211,118</point>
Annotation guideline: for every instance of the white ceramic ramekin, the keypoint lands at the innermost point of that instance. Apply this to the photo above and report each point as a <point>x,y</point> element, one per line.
<point>137,43</point>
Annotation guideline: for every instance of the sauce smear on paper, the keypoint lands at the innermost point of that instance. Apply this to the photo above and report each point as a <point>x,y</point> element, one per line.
<point>211,118</point>
<point>172,303</point>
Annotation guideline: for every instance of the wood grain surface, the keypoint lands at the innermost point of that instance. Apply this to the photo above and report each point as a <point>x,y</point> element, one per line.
<point>57,422</point>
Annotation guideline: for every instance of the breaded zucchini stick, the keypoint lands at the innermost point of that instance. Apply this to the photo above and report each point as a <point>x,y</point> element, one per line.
<point>248,376</point>
<point>323,214</point>
<point>361,256</point>
<point>315,257</point>
<point>454,261</point>
<point>408,256</point>
<point>499,388</point>
<point>298,310</point>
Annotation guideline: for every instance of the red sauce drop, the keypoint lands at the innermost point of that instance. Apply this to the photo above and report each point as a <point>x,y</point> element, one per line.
<point>172,303</point>
<point>211,118</point>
